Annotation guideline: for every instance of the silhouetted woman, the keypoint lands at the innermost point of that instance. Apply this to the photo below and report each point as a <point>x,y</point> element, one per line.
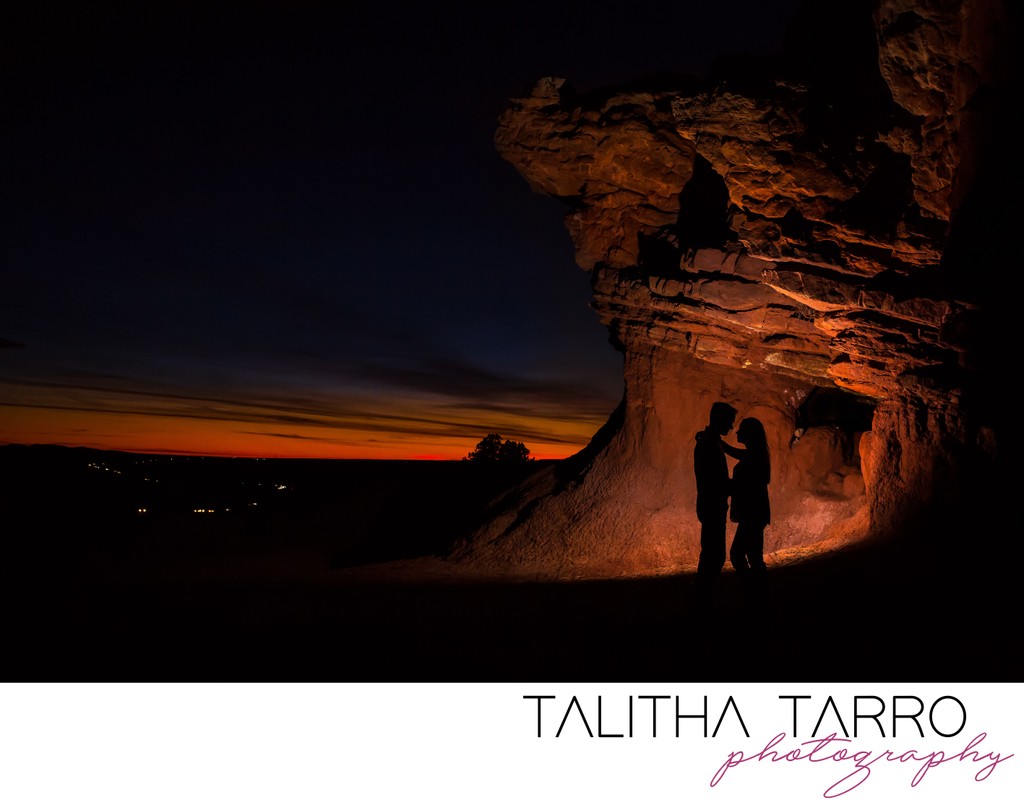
<point>750,510</point>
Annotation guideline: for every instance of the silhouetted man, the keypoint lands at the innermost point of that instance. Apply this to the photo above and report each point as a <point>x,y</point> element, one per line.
<point>712,473</point>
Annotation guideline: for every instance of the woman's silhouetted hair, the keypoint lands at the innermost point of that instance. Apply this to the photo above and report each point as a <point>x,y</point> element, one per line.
<point>751,475</point>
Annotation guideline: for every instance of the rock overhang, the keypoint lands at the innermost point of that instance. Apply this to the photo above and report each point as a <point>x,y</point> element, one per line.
<point>758,238</point>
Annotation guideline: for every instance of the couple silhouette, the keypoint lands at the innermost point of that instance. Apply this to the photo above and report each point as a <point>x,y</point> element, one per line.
<point>743,498</point>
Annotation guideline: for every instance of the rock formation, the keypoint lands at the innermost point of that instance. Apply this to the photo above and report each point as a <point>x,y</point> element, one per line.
<point>791,237</point>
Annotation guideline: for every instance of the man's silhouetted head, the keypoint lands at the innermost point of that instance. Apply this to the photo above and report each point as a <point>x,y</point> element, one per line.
<point>723,416</point>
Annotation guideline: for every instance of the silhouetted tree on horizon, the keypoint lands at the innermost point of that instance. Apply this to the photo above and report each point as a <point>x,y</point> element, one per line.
<point>492,449</point>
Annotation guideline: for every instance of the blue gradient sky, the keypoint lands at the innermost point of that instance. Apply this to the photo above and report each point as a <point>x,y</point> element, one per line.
<point>282,229</point>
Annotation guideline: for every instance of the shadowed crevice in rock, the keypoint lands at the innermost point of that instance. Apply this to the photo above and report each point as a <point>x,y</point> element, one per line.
<point>703,210</point>
<point>884,198</point>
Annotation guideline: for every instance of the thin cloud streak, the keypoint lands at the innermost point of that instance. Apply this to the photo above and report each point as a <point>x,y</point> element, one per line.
<point>361,420</point>
<point>457,381</point>
<point>412,416</point>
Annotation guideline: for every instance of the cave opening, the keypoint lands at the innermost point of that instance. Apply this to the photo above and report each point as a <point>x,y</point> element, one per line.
<point>703,222</point>
<point>703,209</point>
<point>848,414</point>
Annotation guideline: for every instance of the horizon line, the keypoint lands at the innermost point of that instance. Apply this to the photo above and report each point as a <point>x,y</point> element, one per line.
<point>230,456</point>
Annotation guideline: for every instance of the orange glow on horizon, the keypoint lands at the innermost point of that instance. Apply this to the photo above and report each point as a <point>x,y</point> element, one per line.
<point>248,436</point>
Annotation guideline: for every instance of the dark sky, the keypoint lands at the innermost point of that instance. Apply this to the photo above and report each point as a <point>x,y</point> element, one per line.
<point>283,228</point>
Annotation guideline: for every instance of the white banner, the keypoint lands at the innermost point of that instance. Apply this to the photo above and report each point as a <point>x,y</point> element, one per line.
<point>513,744</point>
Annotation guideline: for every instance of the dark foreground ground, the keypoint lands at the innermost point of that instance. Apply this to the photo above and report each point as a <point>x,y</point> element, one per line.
<point>335,575</point>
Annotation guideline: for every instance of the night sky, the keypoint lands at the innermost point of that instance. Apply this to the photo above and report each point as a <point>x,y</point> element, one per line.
<point>282,229</point>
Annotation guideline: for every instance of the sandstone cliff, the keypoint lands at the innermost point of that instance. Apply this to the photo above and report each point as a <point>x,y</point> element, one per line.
<point>793,238</point>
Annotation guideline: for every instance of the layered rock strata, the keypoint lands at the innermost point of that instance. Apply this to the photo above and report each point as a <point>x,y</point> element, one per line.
<point>774,240</point>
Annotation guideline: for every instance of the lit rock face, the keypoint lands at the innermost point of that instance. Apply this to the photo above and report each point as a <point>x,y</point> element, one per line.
<point>775,243</point>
